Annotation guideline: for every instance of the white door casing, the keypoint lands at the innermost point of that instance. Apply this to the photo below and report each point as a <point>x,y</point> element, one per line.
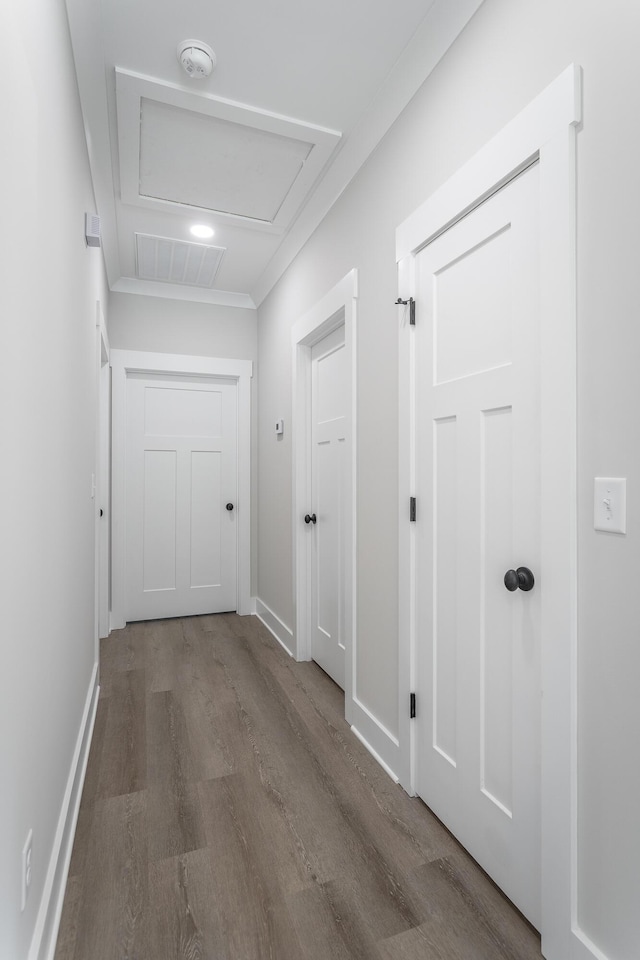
<point>133,365</point>
<point>336,309</point>
<point>544,131</point>
<point>477,484</point>
<point>330,443</point>
<point>104,492</point>
<point>103,476</point>
<point>181,474</point>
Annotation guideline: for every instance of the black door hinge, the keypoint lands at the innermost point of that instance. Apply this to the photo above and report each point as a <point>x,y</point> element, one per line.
<point>412,705</point>
<point>412,309</point>
<point>412,509</point>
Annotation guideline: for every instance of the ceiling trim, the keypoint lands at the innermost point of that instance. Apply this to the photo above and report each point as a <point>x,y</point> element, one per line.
<point>439,29</point>
<point>131,88</point>
<point>175,291</point>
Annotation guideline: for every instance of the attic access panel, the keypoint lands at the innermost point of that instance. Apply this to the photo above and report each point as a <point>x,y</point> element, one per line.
<point>190,150</point>
<point>201,161</point>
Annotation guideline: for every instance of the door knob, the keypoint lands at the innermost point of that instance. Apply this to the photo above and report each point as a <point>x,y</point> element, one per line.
<point>310,518</point>
<point>522,579</point>
<point>229,506</point>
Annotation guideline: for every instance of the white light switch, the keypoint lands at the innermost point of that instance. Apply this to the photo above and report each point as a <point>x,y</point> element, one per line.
<point>279,428</point>
<point>610,504</point>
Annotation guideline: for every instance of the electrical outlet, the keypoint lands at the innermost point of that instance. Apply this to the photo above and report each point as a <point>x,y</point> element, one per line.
<point>26,868</point>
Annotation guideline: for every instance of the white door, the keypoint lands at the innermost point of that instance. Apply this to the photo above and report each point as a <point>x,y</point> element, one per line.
<point>181,479</point>
<point>478,509</point>
<point>329,440</point>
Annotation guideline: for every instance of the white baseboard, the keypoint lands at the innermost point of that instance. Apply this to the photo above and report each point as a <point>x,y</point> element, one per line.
<point>582,948</point>
<point>45,934</point>
<point>376,756</point>
<point>380,743</point>
<point>273,623</point>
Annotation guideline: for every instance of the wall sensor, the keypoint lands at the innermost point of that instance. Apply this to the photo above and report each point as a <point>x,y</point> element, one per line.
<point>197,58</point>
<point>92,229</point>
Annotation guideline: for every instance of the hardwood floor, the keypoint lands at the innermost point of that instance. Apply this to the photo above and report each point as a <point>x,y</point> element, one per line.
<point>229,813</point>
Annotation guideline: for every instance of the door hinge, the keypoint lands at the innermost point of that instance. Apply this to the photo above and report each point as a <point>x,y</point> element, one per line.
<point>412,309</point>
<point>412,705</point>
<point>412,509</point>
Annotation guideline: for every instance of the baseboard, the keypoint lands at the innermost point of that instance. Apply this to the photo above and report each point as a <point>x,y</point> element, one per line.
<point>43,942</point>
<point>273,623</point>
<point>376,756</point>
<point>380,743</point>
<point>582,948</point>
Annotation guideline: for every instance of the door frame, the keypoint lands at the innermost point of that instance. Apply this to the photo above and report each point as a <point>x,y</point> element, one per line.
<point>102,485</point>
<point>544,131</point>
<point>125,362</point>
<point>337,307</point>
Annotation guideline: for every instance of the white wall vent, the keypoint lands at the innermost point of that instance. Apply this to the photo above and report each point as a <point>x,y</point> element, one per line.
<point>177,261</point>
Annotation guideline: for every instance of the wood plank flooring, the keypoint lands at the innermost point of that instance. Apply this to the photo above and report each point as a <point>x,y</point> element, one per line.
<point>229,813</point>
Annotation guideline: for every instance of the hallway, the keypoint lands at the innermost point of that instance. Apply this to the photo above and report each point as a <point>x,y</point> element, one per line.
<point>228,813</point>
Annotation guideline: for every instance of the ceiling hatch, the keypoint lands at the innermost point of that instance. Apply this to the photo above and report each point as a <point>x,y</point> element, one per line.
<point>177,261</point>
<point>196,151</point>
<point>201,161</point>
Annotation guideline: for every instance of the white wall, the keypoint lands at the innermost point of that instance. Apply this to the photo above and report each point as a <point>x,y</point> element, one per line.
<point>49,286</point>
<point>508,53</point>
<point>182,326</point>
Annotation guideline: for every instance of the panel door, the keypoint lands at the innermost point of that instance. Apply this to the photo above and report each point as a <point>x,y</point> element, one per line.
<point>330,432</point>
<point>477,470</point>
<point>181,474</point>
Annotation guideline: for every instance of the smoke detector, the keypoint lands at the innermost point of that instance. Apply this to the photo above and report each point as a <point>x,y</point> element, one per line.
<point>197,58</point>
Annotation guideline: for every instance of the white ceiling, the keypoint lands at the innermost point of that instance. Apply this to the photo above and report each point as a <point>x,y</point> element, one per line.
<point>300,95</point>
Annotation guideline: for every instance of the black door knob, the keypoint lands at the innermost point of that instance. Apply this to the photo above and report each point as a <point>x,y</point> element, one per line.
<point>229,506</point>
<point>310,518</point>
<point>520,579</point>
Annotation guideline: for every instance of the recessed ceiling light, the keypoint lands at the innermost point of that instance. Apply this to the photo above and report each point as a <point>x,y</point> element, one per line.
<point>201,231</point>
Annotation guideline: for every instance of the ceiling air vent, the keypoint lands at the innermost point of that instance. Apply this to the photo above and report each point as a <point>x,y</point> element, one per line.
<point>177,261</point>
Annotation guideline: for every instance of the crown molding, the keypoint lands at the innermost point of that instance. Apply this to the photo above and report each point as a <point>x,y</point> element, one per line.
<point>176,291</point>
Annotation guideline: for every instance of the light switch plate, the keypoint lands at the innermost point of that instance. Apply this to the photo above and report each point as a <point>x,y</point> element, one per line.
<point>610,504</point>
